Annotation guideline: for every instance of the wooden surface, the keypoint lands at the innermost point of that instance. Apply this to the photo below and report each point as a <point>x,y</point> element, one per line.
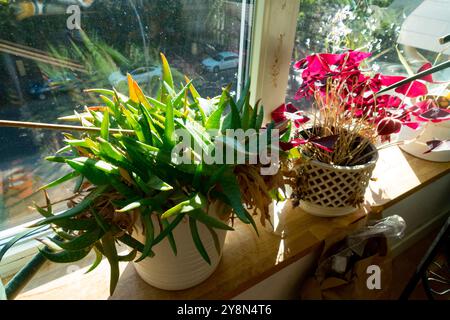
<point>249,259</point>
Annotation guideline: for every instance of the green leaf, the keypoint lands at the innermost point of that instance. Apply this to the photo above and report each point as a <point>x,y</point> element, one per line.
<point>131,242</point>
<point>170,237</point>
<point>169,125</point>
<point>439,67</point>
<point>260,118</point>
<point>246,114</point>
<point>233,194</point>
<point>254,116</point>
<point>168,228</point>
<point>83,241</point>
<point>215,239</point>
<point>167,73</point>
<point>197,241</point>
<point>64,256</point>
<point>96,171</point>
<point>208,220</point>
<point>195,202</point>
<point>98,259</point>
<point>82,206</point>
<point>63,179</point>
<point>149,234</point>
<point>16,239</point>
<point>129,257</point>
<point>175,209</point>
<point>156,183</point>
<point>110,251</point>
<point>104,131</point>
<point>235,116</point>
<point>215,117</point>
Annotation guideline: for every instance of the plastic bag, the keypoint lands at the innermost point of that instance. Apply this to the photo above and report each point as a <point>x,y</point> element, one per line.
<point>343,264</point>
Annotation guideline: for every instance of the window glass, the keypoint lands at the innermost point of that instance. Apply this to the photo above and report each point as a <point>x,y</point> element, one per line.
<point>50,51</point>
<point>381,27</point>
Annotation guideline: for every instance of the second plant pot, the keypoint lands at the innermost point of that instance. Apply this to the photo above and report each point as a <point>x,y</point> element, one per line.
<point>330,190</point>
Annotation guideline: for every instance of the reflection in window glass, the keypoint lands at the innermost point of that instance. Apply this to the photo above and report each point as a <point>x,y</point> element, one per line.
<point>50,51</point>
<point>377,26</point>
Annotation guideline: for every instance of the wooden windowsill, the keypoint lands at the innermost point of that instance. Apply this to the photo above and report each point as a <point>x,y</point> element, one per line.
<point>249,259</point>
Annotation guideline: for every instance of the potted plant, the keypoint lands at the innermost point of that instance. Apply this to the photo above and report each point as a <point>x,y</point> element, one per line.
<point>136,186</point>
<point>337,140</point>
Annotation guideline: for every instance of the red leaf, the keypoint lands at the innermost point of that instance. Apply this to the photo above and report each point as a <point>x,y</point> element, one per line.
<point>326,143</point>
<point>285,146</point>
<point>426,66</point>
<point>412,125</point>
<point>388,126</point>
<point>435,115</point>
<point>438,145</point>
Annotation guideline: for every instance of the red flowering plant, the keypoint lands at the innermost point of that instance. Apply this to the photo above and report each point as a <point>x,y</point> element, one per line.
<point>352,109</point>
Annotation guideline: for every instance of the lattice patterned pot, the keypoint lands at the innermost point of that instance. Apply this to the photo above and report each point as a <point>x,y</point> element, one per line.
<point>329,190</point>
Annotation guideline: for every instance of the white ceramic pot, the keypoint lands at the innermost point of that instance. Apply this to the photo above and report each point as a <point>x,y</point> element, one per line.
<point>416,141</point>
<point>186,269</point>
<point>330,190</point>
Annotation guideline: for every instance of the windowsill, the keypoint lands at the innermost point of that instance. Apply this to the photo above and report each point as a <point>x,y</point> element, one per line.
<point>249,259</point>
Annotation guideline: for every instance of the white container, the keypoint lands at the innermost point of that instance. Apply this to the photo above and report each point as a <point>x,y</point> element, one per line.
<point>330,189</point>
<point>186,269</point>
<point>416,141</point>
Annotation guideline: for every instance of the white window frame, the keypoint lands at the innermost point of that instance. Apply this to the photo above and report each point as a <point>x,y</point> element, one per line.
<point>273,27</point>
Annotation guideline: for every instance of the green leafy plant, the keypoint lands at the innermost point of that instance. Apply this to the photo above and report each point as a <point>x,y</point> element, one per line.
<point>125,172</point>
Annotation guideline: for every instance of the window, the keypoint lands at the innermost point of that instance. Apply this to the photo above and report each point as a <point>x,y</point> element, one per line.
<point>381,27</point>
<point>48,57</point>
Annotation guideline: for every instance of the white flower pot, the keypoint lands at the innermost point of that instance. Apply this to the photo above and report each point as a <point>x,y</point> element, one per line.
<point>186,269</point>
<point>416,141</point>
<point>330,191</point>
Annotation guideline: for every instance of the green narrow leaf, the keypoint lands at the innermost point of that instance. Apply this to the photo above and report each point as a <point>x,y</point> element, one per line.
<point>167,73</point>
<point>96,171</point>
<point>131,242</point>
<point>83,205</point>
<point>16,239</point>
<point>175,209</point>
<point>235,116</point>
<point>98,259</point>
<point>129,257</point>
<point>149,234</point>
<point>83,241</point>
<point>208,220</point>
<point>170,237</point>
<point>104,131</point>
<point>260,118</point>
<point>233,194</point>
<point>246,113</point>
<point>168,227</point>
<point>64,256</point>
<point>215,239</point>
<point>169,125</point>
<point>215,117</point>
<point>254,116</point>
<point>110,251</point>
<point>63,179</point>
<point>197,241</point>
<point>439,67</point>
